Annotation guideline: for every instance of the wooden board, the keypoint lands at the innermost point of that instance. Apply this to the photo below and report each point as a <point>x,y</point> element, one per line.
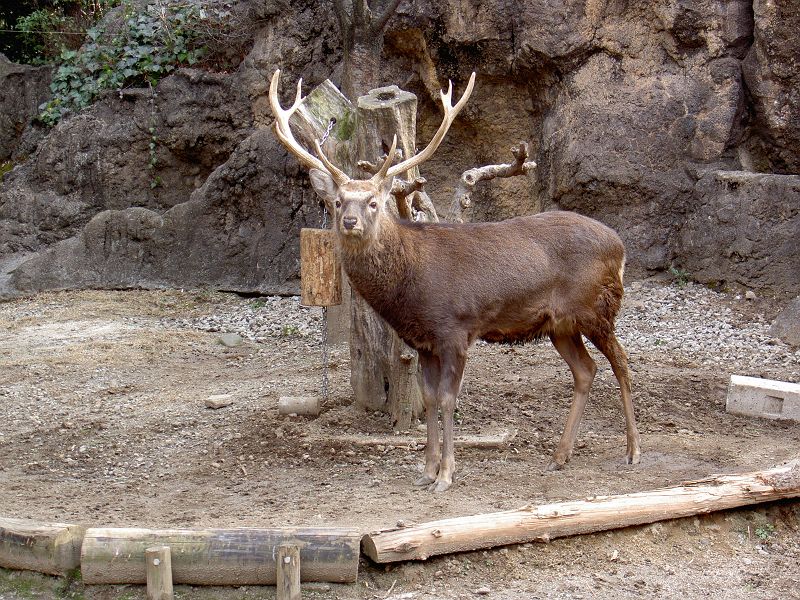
<point>543,523</point>
<point>52,548</point>
<point>500,440</point>
<point>320,271</point>
<point>239,556</point>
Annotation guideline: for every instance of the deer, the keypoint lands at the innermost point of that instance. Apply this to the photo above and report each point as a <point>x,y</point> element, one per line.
<point>443,286</point>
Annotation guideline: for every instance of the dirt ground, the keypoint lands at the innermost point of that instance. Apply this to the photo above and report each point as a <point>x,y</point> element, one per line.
<point>102,398</point>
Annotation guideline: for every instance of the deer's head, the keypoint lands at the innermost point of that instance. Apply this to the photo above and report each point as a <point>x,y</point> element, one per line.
<point>359,206</point>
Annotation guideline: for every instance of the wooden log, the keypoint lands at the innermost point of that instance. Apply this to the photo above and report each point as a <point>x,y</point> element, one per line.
<point>496,441</point>
<point>239,556</point>
<point>299,405</point>
<point>288,573</point>
<point>159,573</point>
<point>52,548</point>
<point>543,523</point>
<point>320,268</point>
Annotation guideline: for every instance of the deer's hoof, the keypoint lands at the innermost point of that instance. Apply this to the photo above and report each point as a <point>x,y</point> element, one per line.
<point>423,481</point>
<point>634,459</point>
<point>554,466</point>
<point>439,486</point>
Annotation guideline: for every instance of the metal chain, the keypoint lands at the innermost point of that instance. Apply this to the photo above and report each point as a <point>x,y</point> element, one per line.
<point>331,123</point>
<point>325,349</point>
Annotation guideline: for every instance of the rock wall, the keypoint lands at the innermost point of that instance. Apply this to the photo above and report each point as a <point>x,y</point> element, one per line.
<point>675,122</point>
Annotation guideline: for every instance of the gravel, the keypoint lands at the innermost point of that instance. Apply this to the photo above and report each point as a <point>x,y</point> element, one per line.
<point>698,326</point>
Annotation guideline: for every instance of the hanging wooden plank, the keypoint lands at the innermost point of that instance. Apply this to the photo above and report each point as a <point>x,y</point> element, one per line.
<point>543,523</point>
<point>320,270</point>
<point>52,548</point>
<point>239,556</point>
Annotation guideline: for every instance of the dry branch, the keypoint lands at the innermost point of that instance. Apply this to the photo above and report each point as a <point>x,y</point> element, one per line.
<point>240,556</point>
<point>53,548</point>
<point>543,523</point>
<point>471,178</point>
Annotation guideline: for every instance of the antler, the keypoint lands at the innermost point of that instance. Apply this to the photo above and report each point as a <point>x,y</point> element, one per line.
<point>450,113</point>
<point>285,135</point>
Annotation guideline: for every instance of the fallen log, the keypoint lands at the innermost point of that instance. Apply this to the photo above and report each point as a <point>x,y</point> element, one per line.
<point>543,523</point>
<point>499,440</point>
<point>52,548</point>
<point>239,556</point>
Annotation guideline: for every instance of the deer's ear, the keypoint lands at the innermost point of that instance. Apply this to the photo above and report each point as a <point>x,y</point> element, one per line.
<point>324,185</point>
<point>386,186</point>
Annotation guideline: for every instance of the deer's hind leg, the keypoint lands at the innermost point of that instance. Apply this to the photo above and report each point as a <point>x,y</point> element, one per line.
<point>608,344</point>
<point>572,350</point>
<point>431,374</point>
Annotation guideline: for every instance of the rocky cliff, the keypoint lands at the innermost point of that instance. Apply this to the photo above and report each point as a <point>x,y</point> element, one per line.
<point>677,123</point>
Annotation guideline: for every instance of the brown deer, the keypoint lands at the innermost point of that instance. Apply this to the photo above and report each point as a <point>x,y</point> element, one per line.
<point>443,286</point>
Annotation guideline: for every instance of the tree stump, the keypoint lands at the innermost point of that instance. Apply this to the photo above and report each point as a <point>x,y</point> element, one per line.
<point>385,372</point>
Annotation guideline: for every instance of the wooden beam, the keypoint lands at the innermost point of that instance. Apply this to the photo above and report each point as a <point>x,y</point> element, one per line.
<point>543,523</point>
<point>52,548</point>
<point>240,556</point>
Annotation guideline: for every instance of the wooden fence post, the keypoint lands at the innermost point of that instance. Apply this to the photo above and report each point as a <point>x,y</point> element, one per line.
<point>159,573</point>
<point>288,576</point>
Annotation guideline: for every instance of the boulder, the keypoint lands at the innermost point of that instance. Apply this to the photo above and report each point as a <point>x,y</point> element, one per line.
<point>743,228</point>
<point>22,89</point>
<point>786,326</point>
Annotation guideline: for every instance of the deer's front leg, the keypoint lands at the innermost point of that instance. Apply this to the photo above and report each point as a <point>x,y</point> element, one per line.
<point>452,371</point>
<point>430,385</point>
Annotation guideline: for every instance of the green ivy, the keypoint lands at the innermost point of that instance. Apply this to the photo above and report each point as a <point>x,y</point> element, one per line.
<point>149,45</point>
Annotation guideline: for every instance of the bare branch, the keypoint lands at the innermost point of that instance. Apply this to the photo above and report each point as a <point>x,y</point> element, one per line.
<point>379,23</point>
<point>361,12</point>
<point>401,189</point>
<point>343,15</point>
<point>470,178</point>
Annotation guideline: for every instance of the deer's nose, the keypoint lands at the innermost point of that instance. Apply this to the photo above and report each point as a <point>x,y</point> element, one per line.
<point>349,222</point>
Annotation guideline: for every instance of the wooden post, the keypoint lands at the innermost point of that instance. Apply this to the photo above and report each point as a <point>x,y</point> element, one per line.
<point>238,556</point>
<point>320,270</point>
<point>52,548</point>
<point>159,573</point>
<point>288,576</point>
<point>543,523</point>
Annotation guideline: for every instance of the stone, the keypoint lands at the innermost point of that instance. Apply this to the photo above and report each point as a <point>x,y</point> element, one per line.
<point>219,401</point>
<point>230,340</point>
<point>786,326</point>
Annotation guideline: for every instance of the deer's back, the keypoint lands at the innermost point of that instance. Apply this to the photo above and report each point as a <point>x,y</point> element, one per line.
<point>512,280</point>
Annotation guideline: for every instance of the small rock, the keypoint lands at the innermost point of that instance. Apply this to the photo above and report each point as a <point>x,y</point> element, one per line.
<point>219,401</point>
<point>230,340</point>
<point>483,591</point>
<point>750,295</point>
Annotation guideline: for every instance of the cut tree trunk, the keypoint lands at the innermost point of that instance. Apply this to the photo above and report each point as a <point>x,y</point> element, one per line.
<point>385,373</point>
<point>241,556</point>
<point>543,523</point>
<point>52,548</point>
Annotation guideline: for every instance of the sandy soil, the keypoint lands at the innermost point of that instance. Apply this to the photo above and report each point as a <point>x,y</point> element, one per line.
<point>102,396</point>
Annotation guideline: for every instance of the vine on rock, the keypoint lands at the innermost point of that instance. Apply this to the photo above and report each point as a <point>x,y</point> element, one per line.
<point>150,43</point>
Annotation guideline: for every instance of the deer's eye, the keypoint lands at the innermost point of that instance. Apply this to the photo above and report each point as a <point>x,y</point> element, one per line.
<point>373,205</point>
<point>338,204</point>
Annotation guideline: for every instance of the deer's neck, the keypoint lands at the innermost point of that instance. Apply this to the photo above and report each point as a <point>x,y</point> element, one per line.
<point>381,270</point>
